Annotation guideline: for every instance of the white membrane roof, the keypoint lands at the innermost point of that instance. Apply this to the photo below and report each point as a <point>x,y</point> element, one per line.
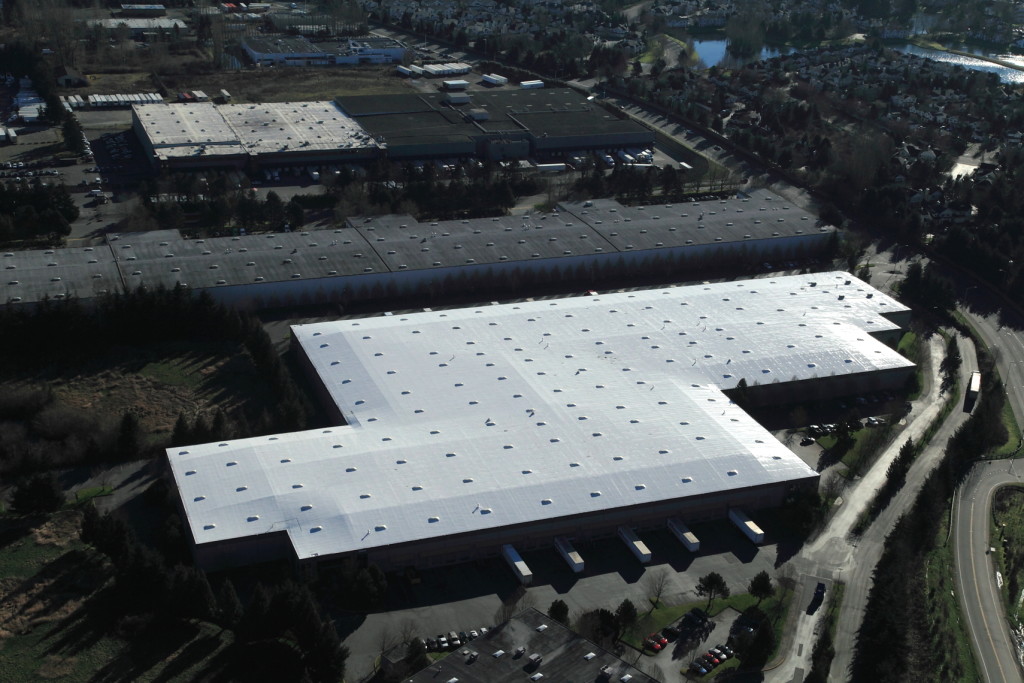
<point>468,419</point>
<point>204,128</point>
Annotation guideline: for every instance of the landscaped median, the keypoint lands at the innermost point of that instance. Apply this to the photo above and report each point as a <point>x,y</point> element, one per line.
<point>724,613</point>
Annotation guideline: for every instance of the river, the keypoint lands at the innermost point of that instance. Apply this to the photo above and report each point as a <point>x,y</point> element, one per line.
<point>713,53</point>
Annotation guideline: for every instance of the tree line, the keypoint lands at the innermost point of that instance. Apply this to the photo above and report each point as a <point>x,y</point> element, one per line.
<point>280,634</point>
<point>35,212</point>
<point>39,433</point>
<point>905,614</point>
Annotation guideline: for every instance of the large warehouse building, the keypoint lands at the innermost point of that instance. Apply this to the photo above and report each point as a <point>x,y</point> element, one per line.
<point>471,428</point>
<point>501,124</point>
<point>397,256</point>
<point>186,136</point>
<point>498,124</point>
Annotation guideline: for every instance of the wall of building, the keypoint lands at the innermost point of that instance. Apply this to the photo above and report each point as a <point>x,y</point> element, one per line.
<point>582,528</point>
<point>586,269</point>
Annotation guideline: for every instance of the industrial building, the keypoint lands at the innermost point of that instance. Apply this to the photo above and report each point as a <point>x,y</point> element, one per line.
<point>185,136</point>
<point>504,124</point>
<point>299,51</point>
<point>496,124</point>
<point>142,27</point>
<point>396,255</point>
<point>466,429</point>
<point>549,648</point>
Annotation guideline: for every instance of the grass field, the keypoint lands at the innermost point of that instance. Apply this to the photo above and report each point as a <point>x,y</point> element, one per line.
<point>947,628</point>
<point>53,625</point>
<point>776,609</point>
<point>159,383</point>
<point>1008,524</point>
<point>291,84</point>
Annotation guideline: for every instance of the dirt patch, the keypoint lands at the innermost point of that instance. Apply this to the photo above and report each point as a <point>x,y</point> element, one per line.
<point>116,84</point>
<point>59,530</point>
<point>57,666</point>
<point>156,390</point>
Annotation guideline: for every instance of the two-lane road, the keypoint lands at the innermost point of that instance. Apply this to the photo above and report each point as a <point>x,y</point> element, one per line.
<point>982,604</point>
<point>975,571</point>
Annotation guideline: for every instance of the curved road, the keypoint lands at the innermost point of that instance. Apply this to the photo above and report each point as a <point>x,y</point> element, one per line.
<point>980,597</point>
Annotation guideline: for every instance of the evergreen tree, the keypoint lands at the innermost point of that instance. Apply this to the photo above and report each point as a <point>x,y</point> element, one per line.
<point>761,586</point>
<point>711,586</point>
<point>626,615</point>
<point>229,608</point>
<point>38,493</point>
<point>129,443</point>
<point>559,611</point>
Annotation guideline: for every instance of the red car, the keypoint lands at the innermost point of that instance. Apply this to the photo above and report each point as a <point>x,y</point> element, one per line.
<point>658,638</point>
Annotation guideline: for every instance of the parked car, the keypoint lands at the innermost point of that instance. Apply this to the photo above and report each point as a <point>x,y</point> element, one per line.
<point>819,592</point>
<point>697,668</point>
<point>442,642</point>
<point>652,644</point>
<point>808,441</point>
<point>658,638</point>
<point>453,639</point>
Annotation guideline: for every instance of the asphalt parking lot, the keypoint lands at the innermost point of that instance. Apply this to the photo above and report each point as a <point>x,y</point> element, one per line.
<point>470,595</point>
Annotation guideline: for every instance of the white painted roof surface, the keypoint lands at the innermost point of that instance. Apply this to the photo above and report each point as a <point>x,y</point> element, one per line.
<point>474,418</point>
<point>204,128</point>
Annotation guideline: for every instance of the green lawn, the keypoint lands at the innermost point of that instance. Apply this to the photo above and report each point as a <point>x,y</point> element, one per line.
<point>54,622</point>
<point>658,618</point>
<point>1013,433</point>
<point>861,449</point>
<point>1008,523</point>
<point>942,609</point>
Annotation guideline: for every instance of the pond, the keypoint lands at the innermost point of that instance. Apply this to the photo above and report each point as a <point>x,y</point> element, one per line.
<point>714,53</point>
<point>1006,74</point>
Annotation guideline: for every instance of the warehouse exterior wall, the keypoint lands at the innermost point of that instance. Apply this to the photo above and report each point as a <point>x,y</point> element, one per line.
<point>583,269</point>
<point>602,524</point>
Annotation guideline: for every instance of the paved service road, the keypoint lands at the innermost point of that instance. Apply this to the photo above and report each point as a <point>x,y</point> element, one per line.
<point>979,596</point>
<point>975,571</point>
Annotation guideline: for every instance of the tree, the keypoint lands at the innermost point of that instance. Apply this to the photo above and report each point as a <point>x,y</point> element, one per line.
<point>38,493</point>
<point>129,440</point>
<point>657,582</point>
<point>294,213</point>
<point>625,615</point>
<point>229,608</point>
<point>712,586</point>
<point>761,586</point>
<point>559,611</point>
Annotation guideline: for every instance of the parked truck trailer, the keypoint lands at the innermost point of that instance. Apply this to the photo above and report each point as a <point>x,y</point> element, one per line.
<point>683,533</point>
<point>569,554</point>
<point>519,568</point>
<point>635,545</point>
<point>744,524</point>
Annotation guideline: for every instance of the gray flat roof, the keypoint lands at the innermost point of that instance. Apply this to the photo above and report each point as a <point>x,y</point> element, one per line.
<point>395,243</point>
<point>281,44</point>
<point>477,418</point>
<point>557,112</point>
